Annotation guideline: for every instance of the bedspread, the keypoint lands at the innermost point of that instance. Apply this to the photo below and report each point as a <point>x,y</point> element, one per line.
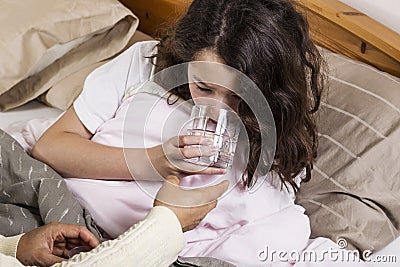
<point>33,194</point>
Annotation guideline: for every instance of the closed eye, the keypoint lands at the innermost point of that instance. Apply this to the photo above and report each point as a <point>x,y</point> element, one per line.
<point>203,88</point>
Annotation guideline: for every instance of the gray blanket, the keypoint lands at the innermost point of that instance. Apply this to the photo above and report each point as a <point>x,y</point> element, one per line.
<point>33,194</point>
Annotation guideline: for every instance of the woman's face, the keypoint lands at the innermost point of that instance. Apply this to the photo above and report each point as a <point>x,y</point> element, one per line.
<point>214,93</point>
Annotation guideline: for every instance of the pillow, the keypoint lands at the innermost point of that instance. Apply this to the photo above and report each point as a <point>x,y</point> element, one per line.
<point>43,41</point>
<point>63,94</point>
<point>354,192</point>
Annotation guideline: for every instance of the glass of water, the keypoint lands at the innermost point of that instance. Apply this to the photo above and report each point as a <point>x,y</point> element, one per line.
<point>222,126</point>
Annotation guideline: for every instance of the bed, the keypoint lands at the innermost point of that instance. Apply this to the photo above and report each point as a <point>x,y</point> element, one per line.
<point>363,48</point>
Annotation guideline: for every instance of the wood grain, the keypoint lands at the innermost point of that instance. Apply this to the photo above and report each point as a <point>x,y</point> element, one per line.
<point>155,15</point>
<point>344,30</point>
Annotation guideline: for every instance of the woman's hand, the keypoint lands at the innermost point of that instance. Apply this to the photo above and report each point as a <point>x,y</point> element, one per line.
<point>50,243</point>
<point>189,206</point>
<point>168,158</point>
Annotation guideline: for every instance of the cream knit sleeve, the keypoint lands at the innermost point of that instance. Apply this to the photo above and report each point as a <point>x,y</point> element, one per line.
<point>8,245</point>
<point>155,241</point>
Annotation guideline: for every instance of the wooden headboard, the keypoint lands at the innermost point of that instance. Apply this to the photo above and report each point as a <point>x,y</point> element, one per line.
<point>333,25</point>
<point>345,30</point>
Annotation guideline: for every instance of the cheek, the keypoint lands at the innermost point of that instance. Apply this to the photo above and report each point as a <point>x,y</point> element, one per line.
<point>199,97</point>
<point>193,91</point>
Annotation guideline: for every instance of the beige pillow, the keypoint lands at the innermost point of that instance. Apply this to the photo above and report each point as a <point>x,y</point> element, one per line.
<point>42,42</point>
<point>354,192</point>
<point>64,93</point>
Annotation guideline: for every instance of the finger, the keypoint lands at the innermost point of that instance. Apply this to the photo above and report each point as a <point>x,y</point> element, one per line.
<point>71,231</point>
<point>88,238</point>
<point>188,167</point>
<point>71,246</point>
<point>212,171</point>
<point>191,168</point>
<point>74,241</point>
<point>66,253</point>
<point>198,151</point>
<point>58,251</point>
<point>62,252</point>
<point>187,140</point>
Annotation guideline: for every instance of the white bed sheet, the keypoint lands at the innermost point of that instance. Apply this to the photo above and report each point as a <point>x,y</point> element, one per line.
<point>30,110</point>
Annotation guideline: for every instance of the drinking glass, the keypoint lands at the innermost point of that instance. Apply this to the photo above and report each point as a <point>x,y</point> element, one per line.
<point>222,126</point>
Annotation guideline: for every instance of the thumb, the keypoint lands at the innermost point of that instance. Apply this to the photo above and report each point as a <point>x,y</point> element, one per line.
<point>213,192</point>
<point>174,180</point>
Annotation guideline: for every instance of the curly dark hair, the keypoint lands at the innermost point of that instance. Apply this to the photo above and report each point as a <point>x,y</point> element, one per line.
<point>269,41</point>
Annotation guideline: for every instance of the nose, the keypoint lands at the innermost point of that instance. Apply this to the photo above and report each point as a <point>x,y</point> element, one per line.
<point>220,102</point>
<point>228,102</point>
